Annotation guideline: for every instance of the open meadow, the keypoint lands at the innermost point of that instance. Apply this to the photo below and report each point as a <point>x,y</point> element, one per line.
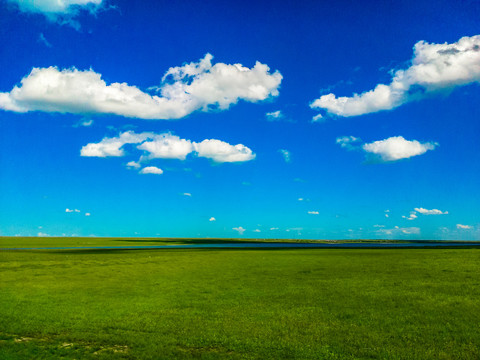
<point>242,303</point>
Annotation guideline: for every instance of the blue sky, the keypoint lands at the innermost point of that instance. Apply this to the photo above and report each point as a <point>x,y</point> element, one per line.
<point>321,120</point>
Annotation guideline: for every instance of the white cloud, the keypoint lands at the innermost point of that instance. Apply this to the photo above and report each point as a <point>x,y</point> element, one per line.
<point>192,87</point>
<point>434,67</point>
<point>274,115</point>
<point>42,234</point>
<point>318,118</point>
<point>274,228</point>
<point>133,164</point>
<point>392,149</point>
<point>348,142</point>
<point>287,156</point>
<point>67,210</point>
<point>87,214</point>
<point>220,151</point>
<point>151,170</point>
<point>86,123</point>
<point>412,216</point>
<point>212,219</point>
<point>430,212</point>
<point>187,194</point>
<point>400,231</point>
<point>257,230</point>
<point>464,227</point>
<point>313,212</point>
<point>113,146</point>
<point>396,148</point>
<point>59,11</point>
<point>167,146</point>
<point>240,230</point>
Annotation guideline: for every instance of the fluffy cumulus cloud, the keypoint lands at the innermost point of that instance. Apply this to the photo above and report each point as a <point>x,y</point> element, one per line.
<point>60,11</point>
<point>434,68</point>
<point>151,170</point>
<point>212,219</point>
<point>113,146</point>
<point>392,149</point>
<point>195,86</point>
<point>220,151</point>
<point>166,146</point>
<point>396,148</point>
<point>430,212</point>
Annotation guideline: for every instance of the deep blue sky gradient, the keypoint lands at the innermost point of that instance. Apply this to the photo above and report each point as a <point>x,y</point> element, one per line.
<point>319,47</point>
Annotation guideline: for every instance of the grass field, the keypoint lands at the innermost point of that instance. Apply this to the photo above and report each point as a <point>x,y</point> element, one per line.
<point>258,304</point>
<point>38,242</point>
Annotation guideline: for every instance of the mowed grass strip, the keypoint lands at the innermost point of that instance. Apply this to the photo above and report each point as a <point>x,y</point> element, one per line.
<point>253,304</point>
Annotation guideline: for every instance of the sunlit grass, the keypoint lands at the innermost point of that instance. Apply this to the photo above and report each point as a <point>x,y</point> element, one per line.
<point>261,304</point>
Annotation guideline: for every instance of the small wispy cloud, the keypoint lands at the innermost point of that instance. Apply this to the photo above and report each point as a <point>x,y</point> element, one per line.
<point>133,164</point>
<point>67,210</point>
<point>313,212</point>
<point>464,227</point>
<point>399,231</point>
<point>287,156</point>
<point>83,123</point>
<point>62,12</point>
<point>274,115</point>
<point>43,40</point>
<point>87,214</point>
<point>431,212</point>
<point>187,194</point>
<point>348,142</point>
<point>239,229</point>
<point>412,216</point>
<point>212,219</point>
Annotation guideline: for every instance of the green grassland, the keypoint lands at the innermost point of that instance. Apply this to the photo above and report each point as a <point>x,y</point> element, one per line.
<point>240,304</point>
<point>38,242</point>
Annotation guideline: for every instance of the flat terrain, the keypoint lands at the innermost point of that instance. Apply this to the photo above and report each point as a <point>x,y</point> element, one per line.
<point>43,242</point>
<point>255,304</point>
